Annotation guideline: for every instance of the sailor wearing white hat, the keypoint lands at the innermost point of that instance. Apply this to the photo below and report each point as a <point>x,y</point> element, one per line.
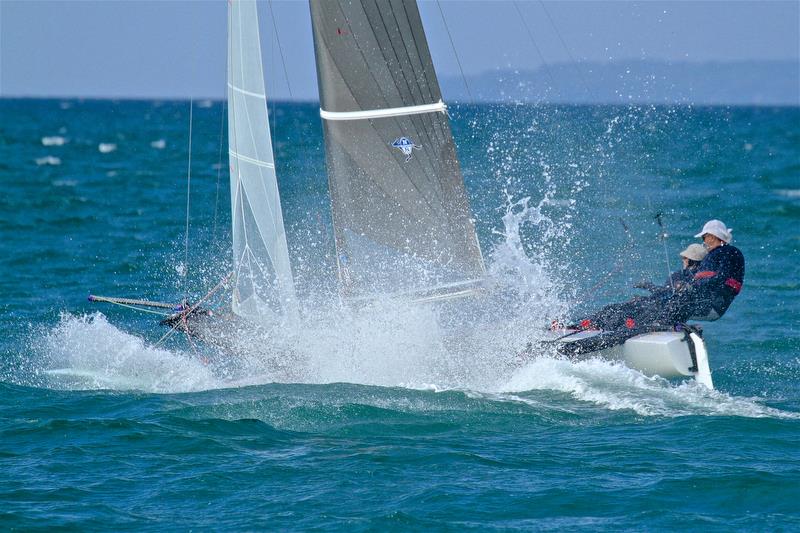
<point>691,257</point>
<point>703,294</point>
<point>718,230</point>
<point>720,275</point>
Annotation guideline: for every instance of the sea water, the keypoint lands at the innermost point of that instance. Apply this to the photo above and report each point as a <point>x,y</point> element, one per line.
<point>386,416</point>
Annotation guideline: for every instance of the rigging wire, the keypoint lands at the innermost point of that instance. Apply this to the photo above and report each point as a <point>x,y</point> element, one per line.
<point>455,53</point>
<point>280,48</point>
<point>663,235</point>
<point>219,170</point>
<point>620,264</point>
<point>188,200</point>
<point>535,46</point>
<point>586,86</point>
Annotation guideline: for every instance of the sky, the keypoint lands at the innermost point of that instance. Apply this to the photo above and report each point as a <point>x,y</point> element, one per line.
<point>177,49</point>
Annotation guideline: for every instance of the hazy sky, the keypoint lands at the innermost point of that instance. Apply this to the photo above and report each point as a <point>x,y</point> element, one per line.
<point>177,48</point>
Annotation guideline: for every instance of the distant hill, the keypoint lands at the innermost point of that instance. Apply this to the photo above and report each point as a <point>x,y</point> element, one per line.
<point>638,81</point>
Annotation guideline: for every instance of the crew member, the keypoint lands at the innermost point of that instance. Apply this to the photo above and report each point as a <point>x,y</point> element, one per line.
<point>701,295</point>
<point>718,279</point>
<point>691,257</point>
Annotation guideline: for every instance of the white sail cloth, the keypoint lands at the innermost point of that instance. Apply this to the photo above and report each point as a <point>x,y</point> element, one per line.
<point>264,286</point>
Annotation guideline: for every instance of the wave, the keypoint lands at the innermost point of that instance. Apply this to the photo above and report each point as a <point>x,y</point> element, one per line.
<point>615,386</point>
<point>89,353</point>
<point>789,193</point>
<point>48,160</point>
<point>55,140</point>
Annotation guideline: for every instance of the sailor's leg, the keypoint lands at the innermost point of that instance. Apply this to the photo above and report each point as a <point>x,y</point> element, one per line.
<point>613,316</point>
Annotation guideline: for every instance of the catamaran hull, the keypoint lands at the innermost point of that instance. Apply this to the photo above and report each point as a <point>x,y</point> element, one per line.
<point>669,354</point>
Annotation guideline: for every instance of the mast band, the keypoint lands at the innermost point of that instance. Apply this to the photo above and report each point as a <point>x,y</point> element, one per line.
<point>246,159</point>
<point>438,107</point>
<point>248,93</point>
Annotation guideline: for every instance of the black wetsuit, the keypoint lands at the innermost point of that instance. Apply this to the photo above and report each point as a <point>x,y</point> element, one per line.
<point>718,280</point>
<point>677,279</point>
<point>704,295</point>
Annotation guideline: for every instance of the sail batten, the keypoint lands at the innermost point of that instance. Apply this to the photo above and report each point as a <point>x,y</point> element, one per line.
<point>402,220</point>
<point>264,286</point>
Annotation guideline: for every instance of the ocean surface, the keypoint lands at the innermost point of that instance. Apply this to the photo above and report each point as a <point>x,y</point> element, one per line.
<point>392,417</point>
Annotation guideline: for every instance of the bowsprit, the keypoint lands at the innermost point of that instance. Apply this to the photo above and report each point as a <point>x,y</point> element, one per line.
<point>406,145</point>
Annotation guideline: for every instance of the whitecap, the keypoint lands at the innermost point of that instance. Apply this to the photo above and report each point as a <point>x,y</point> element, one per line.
<point>48,160</point>
<point>105,148</point>
<point>55,140</point>
<point>159,144</point>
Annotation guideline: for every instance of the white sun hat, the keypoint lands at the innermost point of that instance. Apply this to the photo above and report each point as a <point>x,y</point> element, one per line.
<point>695,252</point>
<point>718,229</point>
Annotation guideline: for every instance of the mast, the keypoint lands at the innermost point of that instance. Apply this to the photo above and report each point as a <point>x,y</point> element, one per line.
<point>264,286</point>
<point>402,219</point>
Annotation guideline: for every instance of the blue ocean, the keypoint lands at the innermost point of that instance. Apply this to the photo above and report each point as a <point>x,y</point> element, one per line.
<point>388,416</point>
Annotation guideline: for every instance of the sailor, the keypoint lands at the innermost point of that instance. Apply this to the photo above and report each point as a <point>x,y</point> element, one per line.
<point>718,279</point>
<point>691,257</point>
<point>701,295</point>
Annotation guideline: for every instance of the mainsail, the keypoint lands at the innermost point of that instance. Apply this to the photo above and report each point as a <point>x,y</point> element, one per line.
<point>401,216</point>
<point>263,275</point>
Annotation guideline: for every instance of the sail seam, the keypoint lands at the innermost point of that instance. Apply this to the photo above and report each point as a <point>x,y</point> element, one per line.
<point>244,91</point>
<point>438,107</point>
<point>246,159</point>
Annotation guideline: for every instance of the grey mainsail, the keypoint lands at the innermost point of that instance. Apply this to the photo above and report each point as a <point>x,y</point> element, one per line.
<point>401,216</point>
<point>263,275</point>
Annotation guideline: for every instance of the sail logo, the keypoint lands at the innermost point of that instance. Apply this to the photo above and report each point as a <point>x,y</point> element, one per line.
<point>407,146</point>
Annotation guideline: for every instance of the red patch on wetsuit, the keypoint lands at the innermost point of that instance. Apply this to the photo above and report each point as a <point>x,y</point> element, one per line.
<point>733,284</point>
<point>705,274</point>
<point>586,323</point>
<point>630,323</point>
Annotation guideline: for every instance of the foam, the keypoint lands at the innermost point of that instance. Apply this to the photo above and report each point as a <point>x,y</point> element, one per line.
<point>48,160</point>
<point>86,352</point>
<point>789,193</point>
<point>55,140</point>
<point>615,386</point>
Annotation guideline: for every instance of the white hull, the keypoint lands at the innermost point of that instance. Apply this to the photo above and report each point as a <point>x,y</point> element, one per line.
<point>663,353</point>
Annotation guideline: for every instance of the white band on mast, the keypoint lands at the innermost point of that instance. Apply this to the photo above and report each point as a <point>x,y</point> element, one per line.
<point>438,107</point>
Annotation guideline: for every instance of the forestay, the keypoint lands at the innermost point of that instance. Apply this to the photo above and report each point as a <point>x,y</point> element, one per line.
<point>401,216</point>
<point>263,276</point>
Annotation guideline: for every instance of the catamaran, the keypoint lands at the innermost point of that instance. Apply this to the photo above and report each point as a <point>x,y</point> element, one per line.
<point>402,222</point>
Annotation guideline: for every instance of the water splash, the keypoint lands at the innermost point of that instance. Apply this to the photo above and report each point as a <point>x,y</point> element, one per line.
<point>89,353</point>
<point>615,386</point>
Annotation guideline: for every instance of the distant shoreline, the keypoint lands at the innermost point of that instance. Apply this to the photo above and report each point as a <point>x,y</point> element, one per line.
<point>452,103</point>
<point>621,82</point>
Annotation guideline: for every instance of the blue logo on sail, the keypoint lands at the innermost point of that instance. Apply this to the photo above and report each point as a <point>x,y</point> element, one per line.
<point>406,145</point>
